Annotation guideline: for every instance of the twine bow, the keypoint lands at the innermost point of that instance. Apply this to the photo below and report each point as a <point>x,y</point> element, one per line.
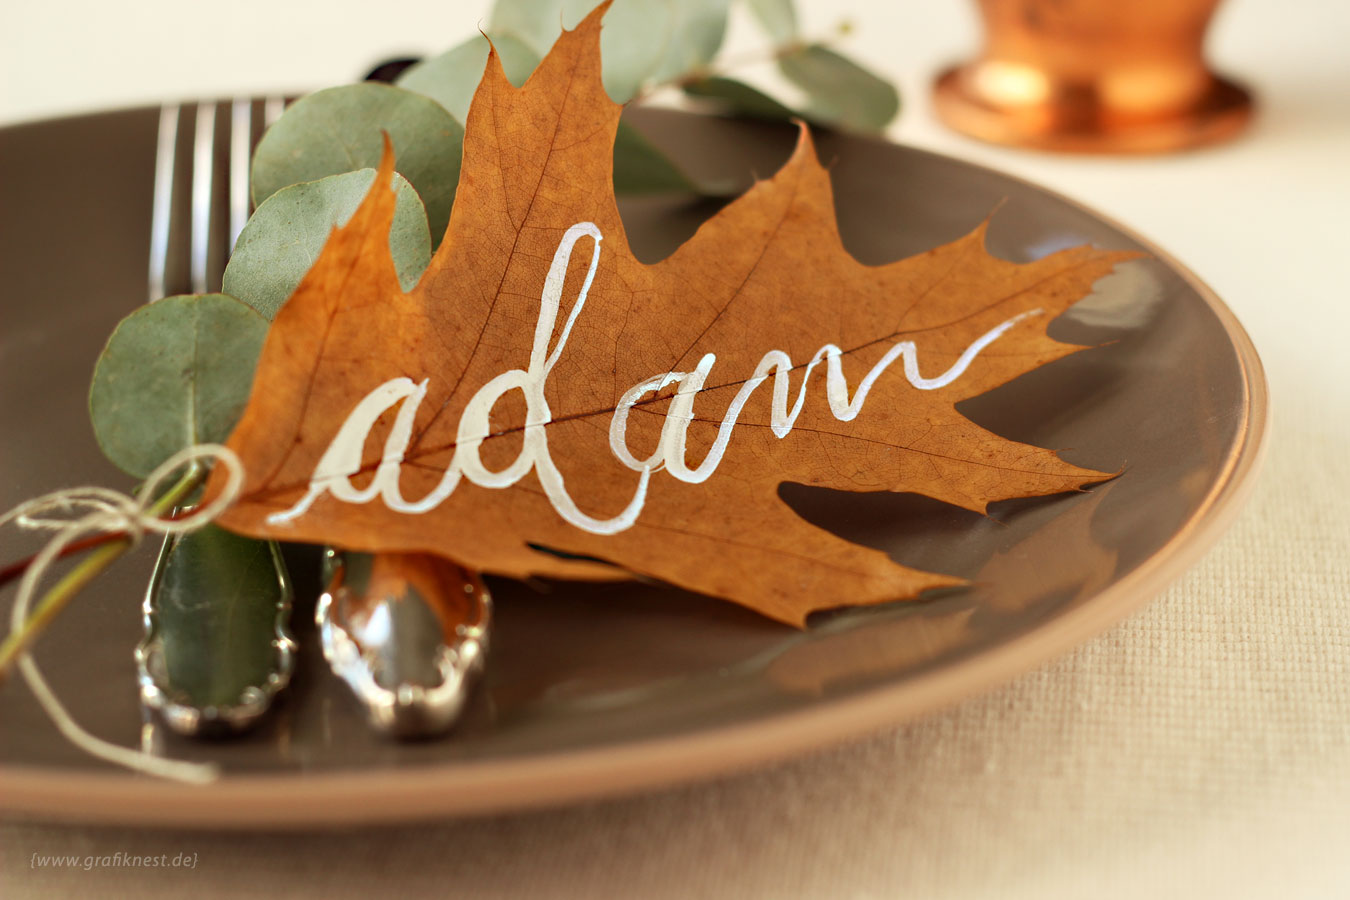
<point>75,512</point>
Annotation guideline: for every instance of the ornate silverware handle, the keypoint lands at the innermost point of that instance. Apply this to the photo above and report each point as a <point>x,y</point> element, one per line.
<point>408,632</point>
<point>217,646</point>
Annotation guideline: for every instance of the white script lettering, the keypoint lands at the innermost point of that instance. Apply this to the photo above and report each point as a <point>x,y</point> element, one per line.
<point>342,459</point>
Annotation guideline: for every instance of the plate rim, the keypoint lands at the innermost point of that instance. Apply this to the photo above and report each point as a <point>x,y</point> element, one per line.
<point>532,781</point>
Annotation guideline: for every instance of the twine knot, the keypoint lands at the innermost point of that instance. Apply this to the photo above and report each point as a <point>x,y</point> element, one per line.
<point>75,512</point>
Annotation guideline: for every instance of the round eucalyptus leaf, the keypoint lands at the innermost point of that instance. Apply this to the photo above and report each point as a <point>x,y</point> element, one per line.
<point>175,372</point>
<point>632,41</point>
<point>693,37</point>
<point>642,40</point>
<point>633,44</point>
<point>338,130</point>
<point>777,17</point>
<point>538,22</point>
<point>284,236</point>
<point>451,78</point>
<point>840,92</point>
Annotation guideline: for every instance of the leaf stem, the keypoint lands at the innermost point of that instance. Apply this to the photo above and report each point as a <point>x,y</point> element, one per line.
<point>16,643</point>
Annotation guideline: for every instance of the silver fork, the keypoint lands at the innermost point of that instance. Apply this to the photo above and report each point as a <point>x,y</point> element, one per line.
<point>201,199</point>
<point>191,236</point>
<point>415,680</point>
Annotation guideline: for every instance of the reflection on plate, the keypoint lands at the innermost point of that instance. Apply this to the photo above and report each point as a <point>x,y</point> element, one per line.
<point>595,689</point>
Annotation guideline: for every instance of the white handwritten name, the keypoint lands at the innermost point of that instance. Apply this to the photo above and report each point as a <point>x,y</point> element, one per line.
<point>342,459</point>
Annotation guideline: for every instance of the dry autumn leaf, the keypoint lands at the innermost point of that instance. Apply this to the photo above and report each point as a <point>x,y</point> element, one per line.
<point>542,390</point>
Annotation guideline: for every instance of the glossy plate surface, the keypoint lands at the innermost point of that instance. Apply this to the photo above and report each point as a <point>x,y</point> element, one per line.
<point>599,689</point>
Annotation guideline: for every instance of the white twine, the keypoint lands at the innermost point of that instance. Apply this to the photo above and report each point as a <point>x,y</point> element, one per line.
<point>107,511</point>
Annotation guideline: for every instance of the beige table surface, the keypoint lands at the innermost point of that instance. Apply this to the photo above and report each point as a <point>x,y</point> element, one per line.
<point>1199,749</point>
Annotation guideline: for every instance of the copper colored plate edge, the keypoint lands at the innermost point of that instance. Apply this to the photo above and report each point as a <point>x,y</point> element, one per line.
<point>297,800</point>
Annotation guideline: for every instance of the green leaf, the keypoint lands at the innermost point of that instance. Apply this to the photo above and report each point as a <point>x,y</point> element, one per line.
<point>739,98</point>
<point>839,92</point>
<point>538,22</point>
<point>214,613</point>
<point>285,234</point>
<point>633,44</point>
<point>640,168</point>
<point>693,38</point>
<point>642,40</point>
<point>175,373</point>
<point>777,17</point>
<point>338,130</point>
<point>451,78</point>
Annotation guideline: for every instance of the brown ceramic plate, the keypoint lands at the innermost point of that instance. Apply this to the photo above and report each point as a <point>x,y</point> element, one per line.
<point>596,690</point>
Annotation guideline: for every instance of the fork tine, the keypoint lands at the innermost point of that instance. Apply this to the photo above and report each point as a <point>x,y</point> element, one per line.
<point>273,107</point>
<point>203,170</point>
<point>241,141</point>
<point>201,194</point>
<point>162,208</point>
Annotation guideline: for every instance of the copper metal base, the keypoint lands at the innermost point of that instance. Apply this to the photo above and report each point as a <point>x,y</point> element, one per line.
<point>1076,120</point>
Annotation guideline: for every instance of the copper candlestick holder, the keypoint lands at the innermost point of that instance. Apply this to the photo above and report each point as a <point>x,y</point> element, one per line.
<point>1093,76</point>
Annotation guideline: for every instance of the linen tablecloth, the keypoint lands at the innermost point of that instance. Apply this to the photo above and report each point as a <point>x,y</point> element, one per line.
<point>1201,748</point>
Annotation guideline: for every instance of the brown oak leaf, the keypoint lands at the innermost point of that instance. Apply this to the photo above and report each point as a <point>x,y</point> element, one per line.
<point>534,323</point>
